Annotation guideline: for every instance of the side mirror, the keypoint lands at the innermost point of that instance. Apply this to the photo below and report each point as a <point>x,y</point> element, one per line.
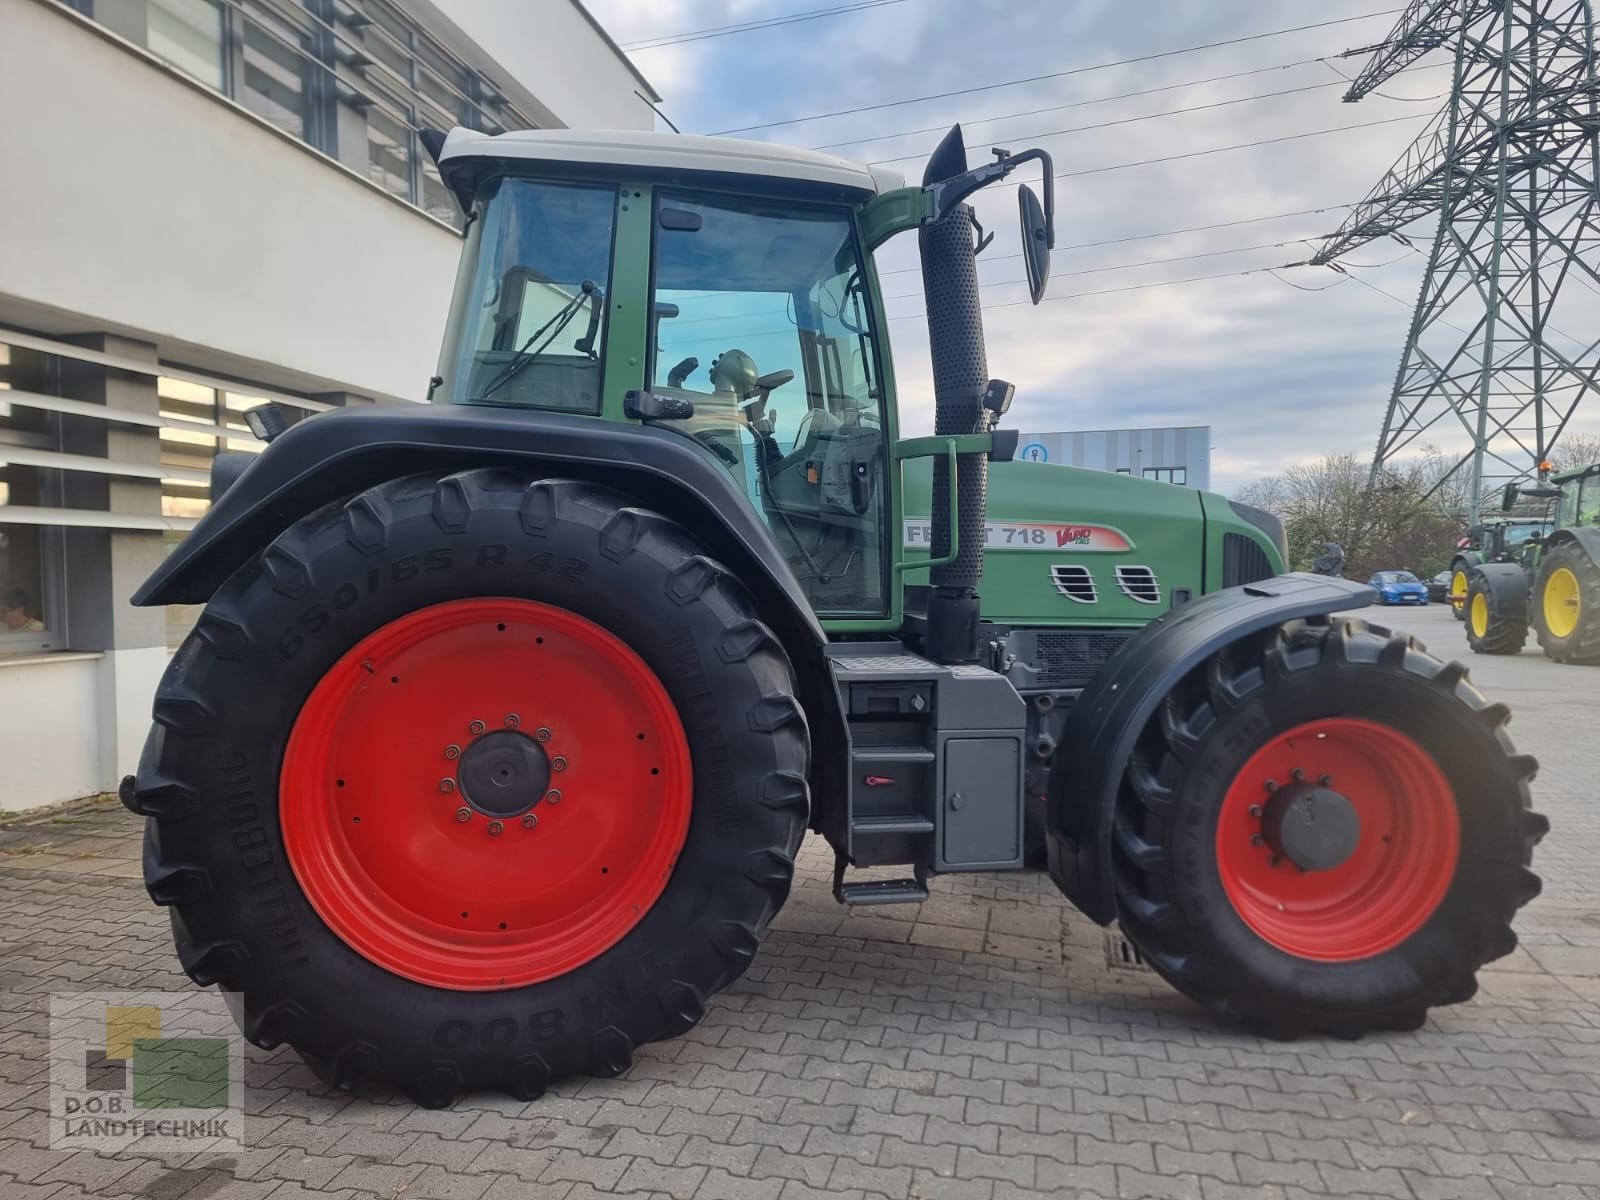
<point>1508,498</point>
<point>1035,241</point>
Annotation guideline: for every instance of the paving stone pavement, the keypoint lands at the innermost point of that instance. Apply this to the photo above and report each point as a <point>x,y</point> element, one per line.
<point>980,1046</point>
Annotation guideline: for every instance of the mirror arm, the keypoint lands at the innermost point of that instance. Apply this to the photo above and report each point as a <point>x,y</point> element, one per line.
<point>950,192</point>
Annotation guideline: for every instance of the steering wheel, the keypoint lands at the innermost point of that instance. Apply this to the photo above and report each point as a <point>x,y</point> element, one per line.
<point>755,408</point>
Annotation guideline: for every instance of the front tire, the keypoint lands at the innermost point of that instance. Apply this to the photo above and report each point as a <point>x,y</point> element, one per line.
<point>1408,862</point>
<point>349,747</point>
<point>1566,605</point>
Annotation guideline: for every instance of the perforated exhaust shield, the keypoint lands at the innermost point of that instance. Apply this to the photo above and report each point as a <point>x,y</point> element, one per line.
<point>960,371</point>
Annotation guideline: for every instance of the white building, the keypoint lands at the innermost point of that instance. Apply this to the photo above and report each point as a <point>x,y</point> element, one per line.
<point>1180,455</point>
<point>205,204</point>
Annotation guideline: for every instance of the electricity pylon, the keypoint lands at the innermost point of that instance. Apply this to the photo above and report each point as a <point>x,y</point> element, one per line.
<point>1510,166</point>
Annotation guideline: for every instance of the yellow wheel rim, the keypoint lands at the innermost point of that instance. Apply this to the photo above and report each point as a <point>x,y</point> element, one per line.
<point>1458,588</point>
<point>1480,615</point>
<point>1562,603</point>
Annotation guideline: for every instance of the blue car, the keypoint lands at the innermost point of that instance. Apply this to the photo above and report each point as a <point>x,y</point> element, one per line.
<point>1399,587</point>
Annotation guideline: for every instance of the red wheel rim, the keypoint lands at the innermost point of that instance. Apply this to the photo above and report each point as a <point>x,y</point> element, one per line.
<point>380,767</point>
<point>1402,863</point>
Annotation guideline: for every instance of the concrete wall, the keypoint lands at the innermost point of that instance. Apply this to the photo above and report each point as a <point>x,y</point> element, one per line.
<point>50,748</point>
<point>558,52</point>
<point>137,202</point>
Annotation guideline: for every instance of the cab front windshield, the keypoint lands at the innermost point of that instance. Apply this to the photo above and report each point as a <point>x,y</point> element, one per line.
<point>760,321</point>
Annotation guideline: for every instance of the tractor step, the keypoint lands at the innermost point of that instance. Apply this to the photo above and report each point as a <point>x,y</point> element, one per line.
<point>879,891</point>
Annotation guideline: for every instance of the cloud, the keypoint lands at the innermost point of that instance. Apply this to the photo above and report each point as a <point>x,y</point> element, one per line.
<point>1280,374</point>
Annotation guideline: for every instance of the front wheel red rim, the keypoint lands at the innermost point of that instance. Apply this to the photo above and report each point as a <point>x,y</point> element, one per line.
<point>1399,865</point>
<point>485,793</point>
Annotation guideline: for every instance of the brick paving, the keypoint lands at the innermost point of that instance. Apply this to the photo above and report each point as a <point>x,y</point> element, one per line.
<point>980,1046</point>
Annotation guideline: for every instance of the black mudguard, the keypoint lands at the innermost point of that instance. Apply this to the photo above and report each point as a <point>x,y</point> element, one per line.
<point>339,453</point>
<point>1508,584</point>
<point>1586,536</point>
<point>1108,717</point>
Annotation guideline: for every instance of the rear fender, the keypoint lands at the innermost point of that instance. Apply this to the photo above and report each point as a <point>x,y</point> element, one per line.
<point>337,454</point>
<point>1108,717</point>
<point>1508,584</point>
<point>1584,535</point>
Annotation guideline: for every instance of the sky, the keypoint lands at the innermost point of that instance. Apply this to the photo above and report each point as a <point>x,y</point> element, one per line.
<point>1285,366</point>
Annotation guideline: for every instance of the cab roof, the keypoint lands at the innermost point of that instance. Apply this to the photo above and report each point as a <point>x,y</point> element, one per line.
<point>670,156</point>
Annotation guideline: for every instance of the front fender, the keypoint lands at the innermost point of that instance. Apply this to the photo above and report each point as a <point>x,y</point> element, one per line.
<point>1108,717</point>
<point>337,454</point>
<point>1508,584</point>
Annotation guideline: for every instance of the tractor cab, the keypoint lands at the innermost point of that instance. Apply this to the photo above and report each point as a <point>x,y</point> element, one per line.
<point>720,290</point>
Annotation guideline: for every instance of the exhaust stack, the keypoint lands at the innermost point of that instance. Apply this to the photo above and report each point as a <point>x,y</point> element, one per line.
<point>960,373</point>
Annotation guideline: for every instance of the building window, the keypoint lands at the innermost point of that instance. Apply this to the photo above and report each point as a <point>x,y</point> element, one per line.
<point>31,612</point>
<point>188,34</point>
<point>358,85</point>
<point>199,421</point>
<point>1178,475</point>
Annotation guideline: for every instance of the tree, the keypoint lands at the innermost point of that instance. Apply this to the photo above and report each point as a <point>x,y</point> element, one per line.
<point>1394,524</point>
<point>1575,450</point>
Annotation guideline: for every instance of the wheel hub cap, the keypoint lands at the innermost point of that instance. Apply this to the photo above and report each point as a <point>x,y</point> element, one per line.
<point>504,774</point>
<point>1315,828</point>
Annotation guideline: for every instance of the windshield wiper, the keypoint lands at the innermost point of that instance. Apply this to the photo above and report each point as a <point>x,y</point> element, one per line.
<point>587,292</point>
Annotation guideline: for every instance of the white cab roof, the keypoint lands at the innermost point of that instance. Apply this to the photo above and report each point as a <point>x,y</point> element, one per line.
<point>673,153</point>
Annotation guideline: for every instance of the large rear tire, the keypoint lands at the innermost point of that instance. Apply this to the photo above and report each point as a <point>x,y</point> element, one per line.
<point>1566,605</point>
<point>1489,630</point>
<point>1325,831</point>
<point>474,782</point>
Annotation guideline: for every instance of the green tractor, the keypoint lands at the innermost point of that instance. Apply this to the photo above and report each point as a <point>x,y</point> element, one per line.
<point>1553,582</point>
<point>490,756</point>
<point>1499,539</point>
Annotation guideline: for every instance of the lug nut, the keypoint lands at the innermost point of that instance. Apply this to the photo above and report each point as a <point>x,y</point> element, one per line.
<point>496,829</point>
<point>1258,840</point>
<point>512,720</point>
<point>542,734</point>
<point>529,820</point>
<point>1325,780</point>
<point>558,763</point>
<point>553,796</point>
<point>476,728</point>
<point>447,785</point>
<point>1255,810</point>
<point>463,814</point>
<point>1272,785</point>
<point>452,751</point>
<point>1297,774</point>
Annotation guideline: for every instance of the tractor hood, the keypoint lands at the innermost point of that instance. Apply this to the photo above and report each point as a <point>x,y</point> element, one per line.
<point>1117,560</point>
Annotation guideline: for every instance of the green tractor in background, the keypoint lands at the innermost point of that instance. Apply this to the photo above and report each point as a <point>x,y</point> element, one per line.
<point>1554,581</point>
<point>490,756</point>
<point>1499,539</point>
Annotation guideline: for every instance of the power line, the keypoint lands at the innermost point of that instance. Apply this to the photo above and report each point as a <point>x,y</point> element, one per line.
<point>1033,112</point>
<point>1161,233</point>
<point>1292,137</point>
<point>1171,112</point>
<point>1151,262</point>
<point>1121,62</point>
<point>718,31</point>
<point>1136,287</point>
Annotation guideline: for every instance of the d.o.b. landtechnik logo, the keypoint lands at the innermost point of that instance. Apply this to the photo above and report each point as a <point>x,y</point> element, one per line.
<point>156,1071</point>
